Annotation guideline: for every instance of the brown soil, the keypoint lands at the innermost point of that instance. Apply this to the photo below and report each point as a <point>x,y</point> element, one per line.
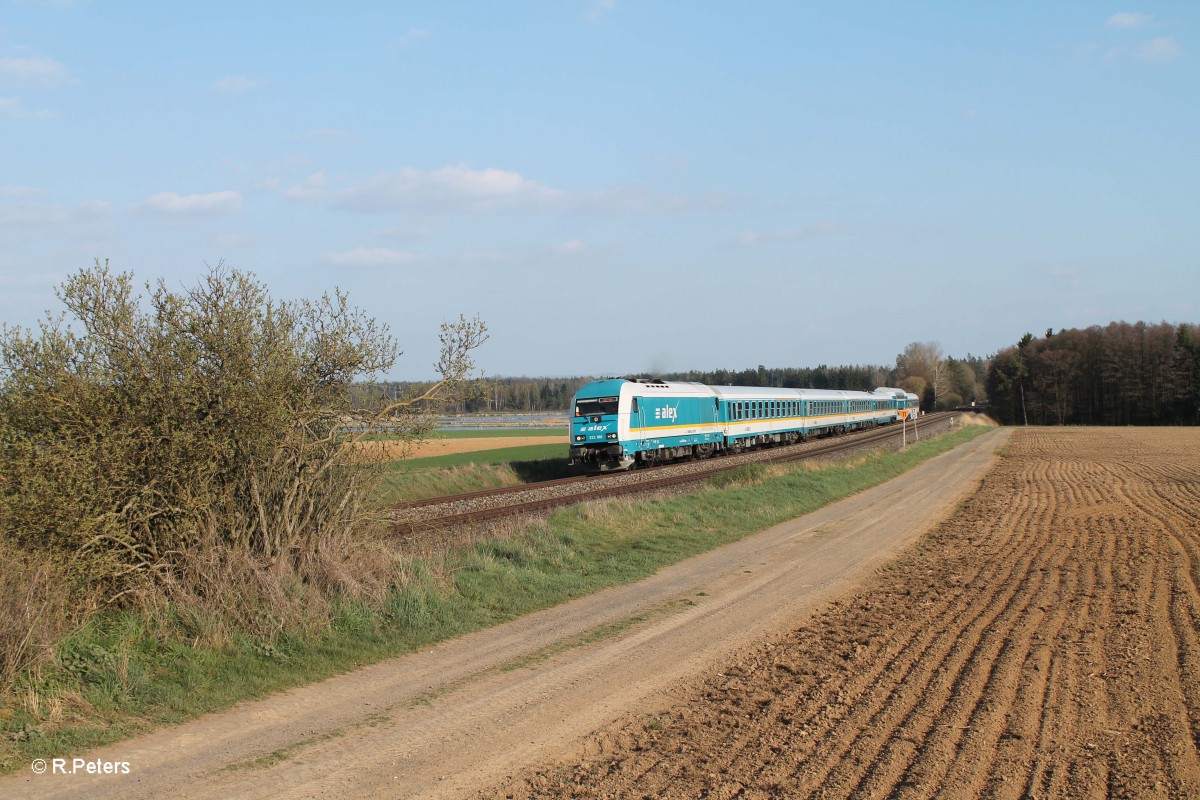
<point>1042,643</point>
<point>392,451</point>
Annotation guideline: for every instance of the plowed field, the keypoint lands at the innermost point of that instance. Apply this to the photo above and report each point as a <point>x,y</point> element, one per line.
<point>1042,643</point>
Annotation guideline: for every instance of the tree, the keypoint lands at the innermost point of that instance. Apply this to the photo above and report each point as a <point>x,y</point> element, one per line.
<point>925,360</point>
<point>915,384</point>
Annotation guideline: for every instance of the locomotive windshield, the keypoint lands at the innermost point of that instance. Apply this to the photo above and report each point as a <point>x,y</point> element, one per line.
<point>595,405</point>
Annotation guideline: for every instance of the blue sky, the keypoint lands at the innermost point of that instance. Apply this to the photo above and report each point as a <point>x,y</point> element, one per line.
<point>619,186</point>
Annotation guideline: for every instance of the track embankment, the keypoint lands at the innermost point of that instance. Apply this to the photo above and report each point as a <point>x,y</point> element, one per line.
<point>1041,643</point>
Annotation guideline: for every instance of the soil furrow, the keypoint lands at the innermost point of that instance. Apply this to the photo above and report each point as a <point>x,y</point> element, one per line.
<point>1041,643</point>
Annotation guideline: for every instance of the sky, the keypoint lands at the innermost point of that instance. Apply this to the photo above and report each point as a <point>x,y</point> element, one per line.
<point>619,186</point>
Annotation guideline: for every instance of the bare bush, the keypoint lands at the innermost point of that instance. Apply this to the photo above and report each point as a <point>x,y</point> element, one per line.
<point>193,441</point>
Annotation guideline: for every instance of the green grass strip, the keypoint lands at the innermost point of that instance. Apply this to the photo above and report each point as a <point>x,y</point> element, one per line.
<point>500,455</point>
<point>134,680</point>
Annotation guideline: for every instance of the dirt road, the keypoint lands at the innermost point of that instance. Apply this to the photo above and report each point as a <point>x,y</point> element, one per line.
<point>1043,643</point>
<point>454,720</point>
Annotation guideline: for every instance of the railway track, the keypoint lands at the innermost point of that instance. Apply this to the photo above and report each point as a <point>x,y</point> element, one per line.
<point>471,508</point>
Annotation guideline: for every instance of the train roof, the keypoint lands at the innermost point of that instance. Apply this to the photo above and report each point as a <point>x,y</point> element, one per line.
<point>776,393</point>
<point>650,388</point>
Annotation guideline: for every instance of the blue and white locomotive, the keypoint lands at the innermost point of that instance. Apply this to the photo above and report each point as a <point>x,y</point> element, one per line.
<point>618,424</point>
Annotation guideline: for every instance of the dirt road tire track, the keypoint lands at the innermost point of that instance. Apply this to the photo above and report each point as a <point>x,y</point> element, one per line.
<point>1040,643</point>
<point>453,720</point>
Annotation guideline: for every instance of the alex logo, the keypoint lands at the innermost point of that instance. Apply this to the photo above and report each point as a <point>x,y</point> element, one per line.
<point>666,413</point>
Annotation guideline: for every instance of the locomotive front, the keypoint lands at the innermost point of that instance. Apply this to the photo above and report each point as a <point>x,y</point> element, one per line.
<point>595,427</point>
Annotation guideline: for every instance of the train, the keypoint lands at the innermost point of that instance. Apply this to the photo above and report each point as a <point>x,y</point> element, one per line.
<point>625,423</point>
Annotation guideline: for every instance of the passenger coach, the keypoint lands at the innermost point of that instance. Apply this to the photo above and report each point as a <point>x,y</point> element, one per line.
<point>619,424</point>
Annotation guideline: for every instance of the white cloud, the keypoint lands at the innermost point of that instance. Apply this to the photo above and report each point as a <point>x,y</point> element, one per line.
<point>1127,19</point>
<point>461,188</point>
<point>34,213</point>
<point>28,213</point>
<point>1160,49</point>
<point>94,208</point>
<point>236,84</point>
<point>412,36</point>
<point>45,3</point>
<point>12,108</point>
<point>451,187</point>
<point>35,70</point>
<point>23,192</point>
<point>332,135</point>
<point>369,257</point>
<point>815,230</point>
<point>213,203</point>
<point>600,10</point>
<point>638,199</point>
<point>312,188</point>
<point>571,247</point>
<point>409,229</point>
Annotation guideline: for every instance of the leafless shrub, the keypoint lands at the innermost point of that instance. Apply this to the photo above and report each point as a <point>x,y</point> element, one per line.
<point>191,443</point>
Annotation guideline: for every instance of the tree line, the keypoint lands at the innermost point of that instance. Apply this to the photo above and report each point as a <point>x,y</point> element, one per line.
<point>1119,374</point>
<point>941,382</point>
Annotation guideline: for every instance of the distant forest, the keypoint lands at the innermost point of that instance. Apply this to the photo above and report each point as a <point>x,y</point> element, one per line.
<point>1119,374</point>
<point>961,381</point>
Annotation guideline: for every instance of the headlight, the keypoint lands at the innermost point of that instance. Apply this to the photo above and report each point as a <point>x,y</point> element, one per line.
<point>580,438</point>
<point>612,436</point>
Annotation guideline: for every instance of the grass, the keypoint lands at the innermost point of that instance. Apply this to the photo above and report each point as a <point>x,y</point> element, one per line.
<point>418,478</point>
<point>500,455</point>
<point>120,674</point>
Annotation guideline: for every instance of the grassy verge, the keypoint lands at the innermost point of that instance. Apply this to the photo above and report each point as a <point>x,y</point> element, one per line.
<point>125,673</point>
<point>418,478</point>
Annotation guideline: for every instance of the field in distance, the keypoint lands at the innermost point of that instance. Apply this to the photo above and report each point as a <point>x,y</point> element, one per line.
<point>454,442</point>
